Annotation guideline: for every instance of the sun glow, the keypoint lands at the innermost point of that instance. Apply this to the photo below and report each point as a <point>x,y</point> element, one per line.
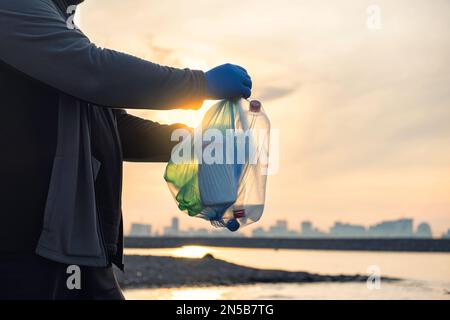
<point>194,252</point>
<point>197,294</point>
<point>213,293</point>
<point>191,118</point>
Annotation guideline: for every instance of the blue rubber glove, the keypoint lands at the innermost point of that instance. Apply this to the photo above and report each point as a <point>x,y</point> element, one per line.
<point>228,81</point>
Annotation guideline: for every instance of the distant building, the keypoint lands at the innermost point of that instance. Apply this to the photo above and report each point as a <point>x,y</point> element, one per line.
<point>280,227</point>
<point>175,224</point>
<point>308,231</point>
<point>174,229</point>
<point>140,230</point>
<point>345,230</point>
<point>424,231</point>
<point>306,227</point>
<point>280,230</point>
<point>258,233</point>
<point>402,228</point>
<point>446,235</point>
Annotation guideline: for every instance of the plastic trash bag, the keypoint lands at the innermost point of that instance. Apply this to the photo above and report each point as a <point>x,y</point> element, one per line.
<point>220,172</point>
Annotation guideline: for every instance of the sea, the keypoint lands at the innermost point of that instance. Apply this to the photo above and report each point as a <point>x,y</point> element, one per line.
<point>422,275</point>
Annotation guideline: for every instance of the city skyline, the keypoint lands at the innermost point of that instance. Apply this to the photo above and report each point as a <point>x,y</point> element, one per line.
<point>399,228</point>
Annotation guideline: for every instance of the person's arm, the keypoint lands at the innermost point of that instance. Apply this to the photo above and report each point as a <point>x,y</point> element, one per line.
<point>143,140</point>
<point>35,39</point>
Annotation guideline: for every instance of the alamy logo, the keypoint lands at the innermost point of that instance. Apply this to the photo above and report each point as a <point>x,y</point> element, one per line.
<point>74,279</point>
<point>231,146</point>
<point>71,19</point>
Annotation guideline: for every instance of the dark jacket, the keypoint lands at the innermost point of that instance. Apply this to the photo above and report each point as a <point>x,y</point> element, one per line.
<point>62,149</point>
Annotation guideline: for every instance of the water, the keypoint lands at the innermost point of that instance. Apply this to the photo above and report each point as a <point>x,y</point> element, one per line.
<point>424,275</point>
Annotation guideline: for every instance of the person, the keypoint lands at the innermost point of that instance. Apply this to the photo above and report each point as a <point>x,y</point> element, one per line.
<point>64,137</point>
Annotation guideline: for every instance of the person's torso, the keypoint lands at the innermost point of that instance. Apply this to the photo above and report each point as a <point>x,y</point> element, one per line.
<point>28,137</point>
<point>28,132</point>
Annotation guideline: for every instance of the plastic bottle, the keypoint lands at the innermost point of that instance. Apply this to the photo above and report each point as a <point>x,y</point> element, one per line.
<point>249,206</point>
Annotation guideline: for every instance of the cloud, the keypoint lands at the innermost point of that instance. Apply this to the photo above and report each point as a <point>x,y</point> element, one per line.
<point>269,93</point>
<point>163,55</point>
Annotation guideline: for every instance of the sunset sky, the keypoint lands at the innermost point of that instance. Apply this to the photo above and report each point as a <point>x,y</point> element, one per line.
<point>363,113</point>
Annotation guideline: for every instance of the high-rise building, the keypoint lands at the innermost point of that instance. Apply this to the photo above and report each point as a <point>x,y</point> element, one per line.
<point>175,224</point>
<point>279,229</point>
<point>446,235</point>
<point>402,228</point>
<point>174,229</point>
<point>345,230</point>
<point>306,227</point>
<point>140,230</point>
<point>307,230</point>
<point>424,231</point>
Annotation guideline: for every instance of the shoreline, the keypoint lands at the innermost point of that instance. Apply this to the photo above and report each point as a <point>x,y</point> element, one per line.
<point>353,244</point>
<point>165,272</point>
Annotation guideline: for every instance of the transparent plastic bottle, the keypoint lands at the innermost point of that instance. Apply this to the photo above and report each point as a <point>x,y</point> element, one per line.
<point>249,206</point>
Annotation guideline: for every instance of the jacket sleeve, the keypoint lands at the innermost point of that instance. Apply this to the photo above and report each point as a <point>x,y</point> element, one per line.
<point>35,39</point>
<point>144,140</point>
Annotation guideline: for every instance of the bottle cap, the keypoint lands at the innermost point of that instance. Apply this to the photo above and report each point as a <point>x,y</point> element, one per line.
<point>255,106</point>
<point>233,225</point>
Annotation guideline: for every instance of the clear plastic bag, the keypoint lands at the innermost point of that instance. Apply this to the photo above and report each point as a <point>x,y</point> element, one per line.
<point>222,174</point>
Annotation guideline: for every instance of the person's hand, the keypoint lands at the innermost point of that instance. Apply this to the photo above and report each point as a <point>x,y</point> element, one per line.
<point>228,81</point>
